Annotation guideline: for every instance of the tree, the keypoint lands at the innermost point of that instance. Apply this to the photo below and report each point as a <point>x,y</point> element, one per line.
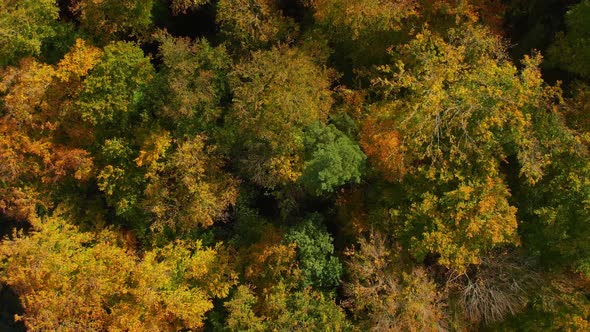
<point>361,31</point>
<point>276,298</point>
<point>315,251</point>
<point>284,309</point>
<point>571,49</point>
<point>555,213</point>
<point>331,159</point>
<point>113,88</point>
<point>277,94</point>
<point>385,294</point>
<point>24,26</point>
<point>43,144</point>
<point>253,24</point>
<point>108,20</point>
<point>70,280</point>
<point>558,304</point>
<point>109,102</point>
<point>453,110</point>
<point>187,189</point>
<point>183,6</point>
<point>187,91</point>
<point>499,287</point>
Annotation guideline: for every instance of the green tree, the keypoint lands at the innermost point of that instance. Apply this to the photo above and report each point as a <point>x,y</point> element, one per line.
<point>571,50</point>
<point>315,252</point>
<point>331,159</point>
<point>113,88</point>
<point>187,91</point>
<point>555,213</point>
<point>24,26</point>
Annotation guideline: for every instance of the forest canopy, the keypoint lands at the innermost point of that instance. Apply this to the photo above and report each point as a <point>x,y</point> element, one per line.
<point>299,165</point>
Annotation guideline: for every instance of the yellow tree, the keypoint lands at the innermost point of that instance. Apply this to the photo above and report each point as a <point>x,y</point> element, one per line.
<point>188,188</point>
<point>69,280</point>
<point>277,94</point>
<point>453,110</point>
<point>42,142</point>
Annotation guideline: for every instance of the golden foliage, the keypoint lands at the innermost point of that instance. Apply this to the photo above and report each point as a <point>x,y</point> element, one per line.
<point>68,280</point>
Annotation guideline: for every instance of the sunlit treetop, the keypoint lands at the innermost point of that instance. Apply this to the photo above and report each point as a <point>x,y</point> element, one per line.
<point>72,280</point>
<point>276,95</point>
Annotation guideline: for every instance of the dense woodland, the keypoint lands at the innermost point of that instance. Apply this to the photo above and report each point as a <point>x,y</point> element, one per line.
<point>295,165</point>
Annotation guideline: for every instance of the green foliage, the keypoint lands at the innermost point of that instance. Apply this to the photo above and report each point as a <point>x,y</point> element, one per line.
<point>284,309</point>
<point>556,227</point>
<point>315,251</point>
<point>24,26</point>
<point>332,159</point>
<point>112,88</point>
<point>571,50</point>
<point>187,90</point>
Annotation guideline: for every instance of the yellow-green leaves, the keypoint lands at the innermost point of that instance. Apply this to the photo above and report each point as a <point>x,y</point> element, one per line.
<point>277,94</point>
<point>69,280</point>
<point>111,89</point>
<point>24,25</point>
<point>452,111</point>
<point>187,189</point>
<point>106,20</point>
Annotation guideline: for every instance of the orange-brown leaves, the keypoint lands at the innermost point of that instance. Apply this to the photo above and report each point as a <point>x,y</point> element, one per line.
<point>383,146</point>
<point>269,260</point>
<point>25,88</point>
<point>36,146</point>
<point>385,294</point>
